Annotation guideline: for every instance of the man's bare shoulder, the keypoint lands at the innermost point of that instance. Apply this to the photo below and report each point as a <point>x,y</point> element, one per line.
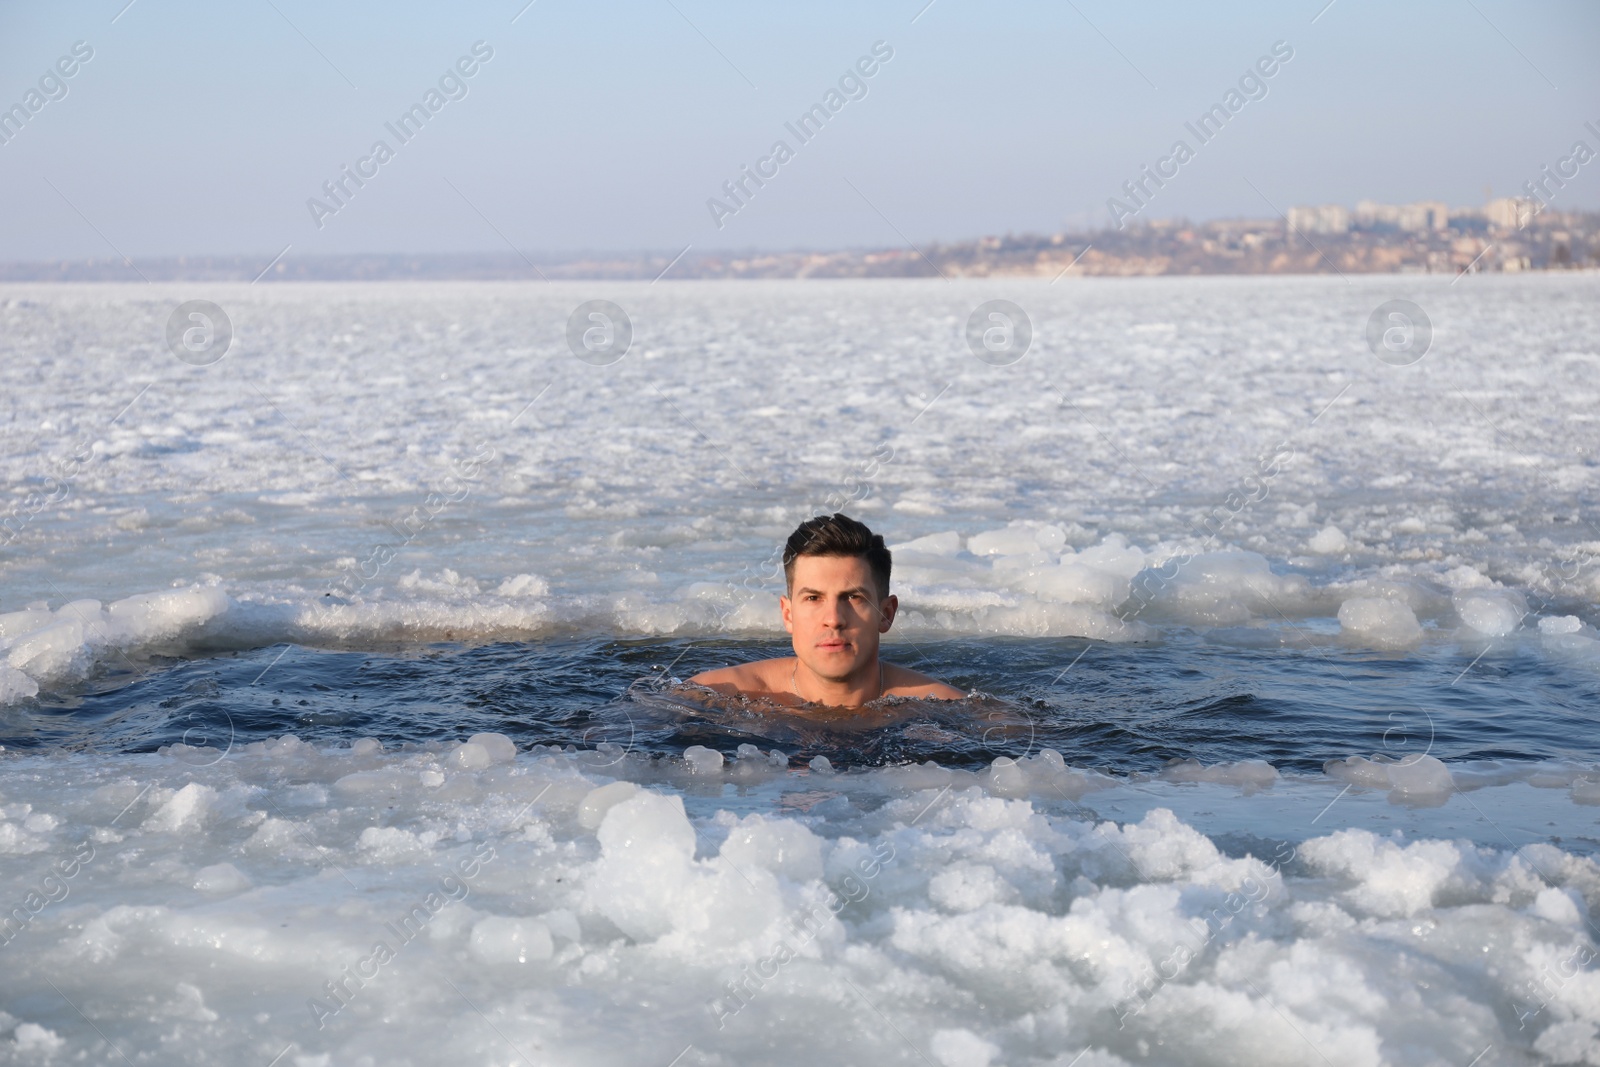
<point>757,678</point>
<point>905,682</point>
<point>771,678</point>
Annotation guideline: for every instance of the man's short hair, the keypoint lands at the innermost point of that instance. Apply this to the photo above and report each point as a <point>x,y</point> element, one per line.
<point>838,535</point>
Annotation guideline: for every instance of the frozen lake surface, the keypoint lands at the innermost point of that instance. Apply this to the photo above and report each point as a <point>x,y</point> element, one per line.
<point>364,635</point>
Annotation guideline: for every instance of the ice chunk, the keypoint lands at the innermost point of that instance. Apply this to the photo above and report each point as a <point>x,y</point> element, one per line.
<point>32,1040</point>
<point>186,1002</point>
<point>1219,588</point>
<point>523,585</point>
<point>563,924</point>
<point>1420,775</point>
<point>1575,1041</point>
<point>1113,556</point>
<point>1328,541</point>
<point>1553,625</point>
<point>781,846</point>
<point>1465,577</point>
<point>449,582</point>
<point>387,780</point>
<point>483,750</point>
<point>16,623</point>
<point>220,879</point>
<point>594,807</point>
<point>470,757</point>
<point>15,840</point>
<point>967,887</point>
<point>939,544</point>
<point>1074,583</point>
<point>51,652</point>
<point>15,685</point>
<point>1585,791</point>
<point>702,760</point>
<point>40,822</point>
<point>1249,775</point>
<point>1359,771</point>
<point>1418,778</point>
<point>390,843</point>
<point>1018,539</point>
<point>1380,622</point>
<point>1386,878</point>
<point>185,810</point>
<point>152,618</point>
<point>1561,906</point>
<point>1491,612</point>
<point>501,749</point>
<point>962,1048</point>
<point>647,857</point>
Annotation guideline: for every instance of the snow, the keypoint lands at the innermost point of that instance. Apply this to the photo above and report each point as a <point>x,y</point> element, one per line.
<point>601,918</point>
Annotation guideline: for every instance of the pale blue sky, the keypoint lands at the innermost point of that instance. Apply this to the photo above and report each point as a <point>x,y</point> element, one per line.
<point>204,127</point>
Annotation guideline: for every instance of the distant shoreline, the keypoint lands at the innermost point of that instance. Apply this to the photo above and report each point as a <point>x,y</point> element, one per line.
<point>1549,242</point>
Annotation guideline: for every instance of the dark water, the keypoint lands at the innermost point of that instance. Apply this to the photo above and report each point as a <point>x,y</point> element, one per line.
<point>1116,707</point>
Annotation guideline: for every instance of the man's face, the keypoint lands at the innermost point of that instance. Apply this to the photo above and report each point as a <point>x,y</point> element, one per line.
<point>835,615</point>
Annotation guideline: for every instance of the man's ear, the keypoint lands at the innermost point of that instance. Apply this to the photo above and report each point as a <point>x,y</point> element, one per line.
<point>886,611</point>
<point>787,608</point>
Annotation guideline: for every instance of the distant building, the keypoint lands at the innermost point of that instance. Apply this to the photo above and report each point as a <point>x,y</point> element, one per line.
<point>1326,218</point>
<point>1425,215</point>
<point>1370,215</point>
<point>1509,212</point>
<point>1410,218</point>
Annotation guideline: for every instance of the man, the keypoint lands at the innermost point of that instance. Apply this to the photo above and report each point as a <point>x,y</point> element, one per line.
<point>838,602</point>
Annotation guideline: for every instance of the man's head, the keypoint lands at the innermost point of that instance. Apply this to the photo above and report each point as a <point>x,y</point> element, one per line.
<point>838,535</point>
<point>838,600</point>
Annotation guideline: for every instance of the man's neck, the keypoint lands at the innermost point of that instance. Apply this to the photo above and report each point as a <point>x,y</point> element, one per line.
<point>861,686</point>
